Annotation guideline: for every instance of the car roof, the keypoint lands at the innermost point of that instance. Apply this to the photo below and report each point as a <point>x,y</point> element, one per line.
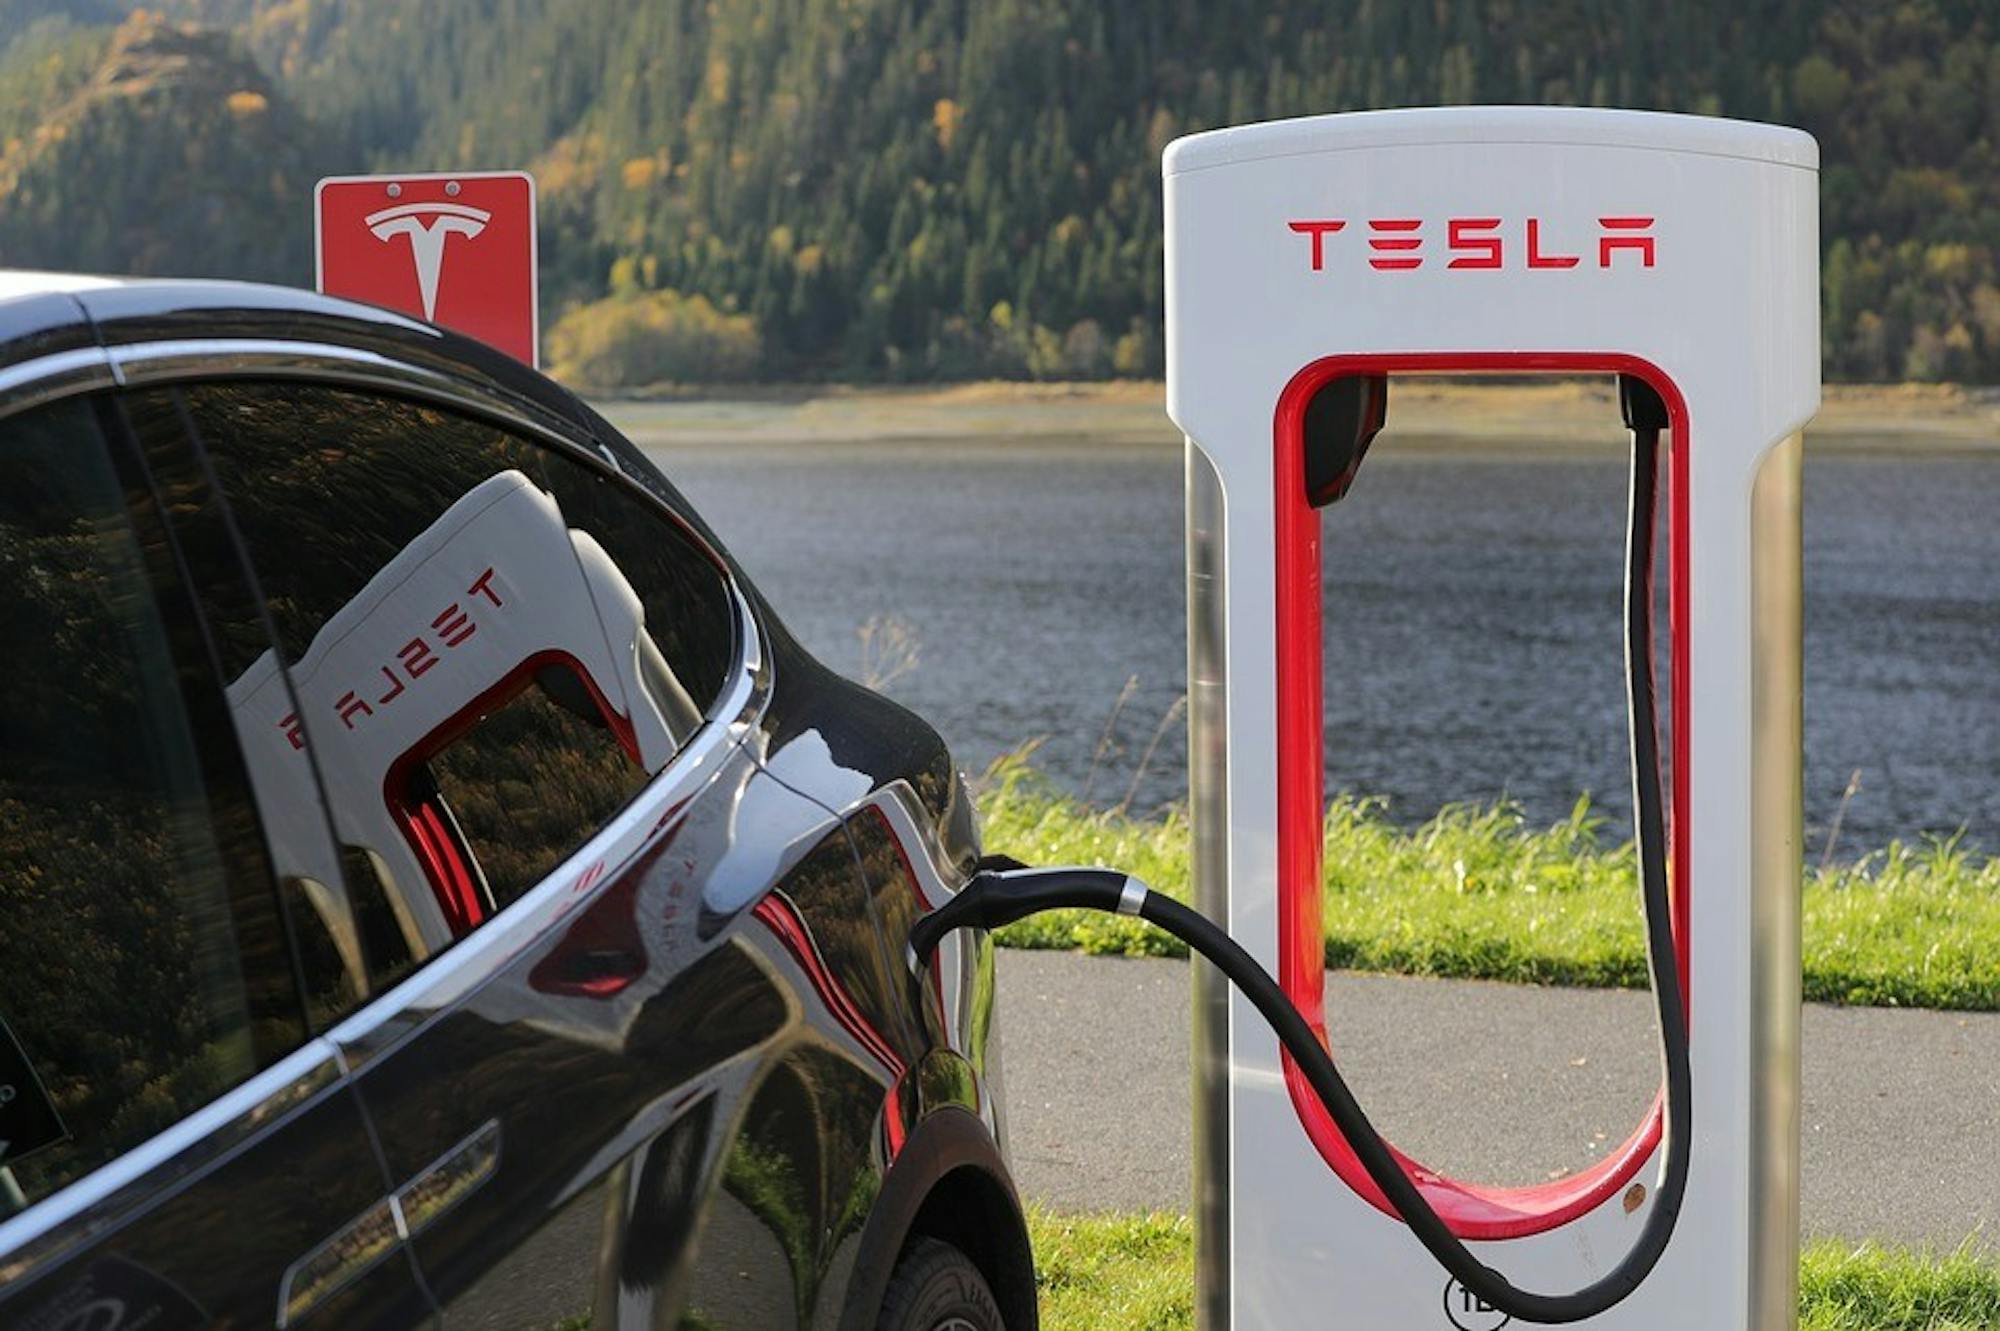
<point>44,314</point>
<point>19,282</point>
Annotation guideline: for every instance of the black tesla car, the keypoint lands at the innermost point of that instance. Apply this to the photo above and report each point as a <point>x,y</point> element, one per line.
<point>434,888</point>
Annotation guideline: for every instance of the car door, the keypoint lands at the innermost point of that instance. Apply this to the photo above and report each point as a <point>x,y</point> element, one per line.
<point>177,1148</point>
<point>624,1080</point>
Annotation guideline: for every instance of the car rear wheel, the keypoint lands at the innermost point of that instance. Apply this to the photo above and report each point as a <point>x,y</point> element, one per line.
<point>935,1287</point>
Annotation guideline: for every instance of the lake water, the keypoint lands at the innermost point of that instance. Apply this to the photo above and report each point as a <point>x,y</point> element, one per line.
<point>1472,611</point>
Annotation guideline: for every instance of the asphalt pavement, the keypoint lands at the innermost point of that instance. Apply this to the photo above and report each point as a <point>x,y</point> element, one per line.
<point>1501,1084</point>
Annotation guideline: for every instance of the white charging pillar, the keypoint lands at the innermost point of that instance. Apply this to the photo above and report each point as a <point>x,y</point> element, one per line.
<point>1680,250</point>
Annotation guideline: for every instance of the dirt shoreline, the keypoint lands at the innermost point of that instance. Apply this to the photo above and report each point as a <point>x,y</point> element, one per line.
<point>1559,416</point>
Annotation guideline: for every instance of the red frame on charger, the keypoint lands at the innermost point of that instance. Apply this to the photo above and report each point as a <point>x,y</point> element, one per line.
<point>1472,1211</point>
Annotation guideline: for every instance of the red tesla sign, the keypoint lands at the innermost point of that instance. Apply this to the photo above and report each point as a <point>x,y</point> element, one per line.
<point>456,250</point>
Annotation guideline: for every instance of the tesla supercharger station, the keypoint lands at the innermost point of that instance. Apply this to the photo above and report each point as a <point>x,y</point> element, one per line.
<point>1678,251</point>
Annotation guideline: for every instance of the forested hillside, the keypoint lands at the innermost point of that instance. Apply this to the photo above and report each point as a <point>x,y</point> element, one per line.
<point>948,188</point>
<point>151,150</point>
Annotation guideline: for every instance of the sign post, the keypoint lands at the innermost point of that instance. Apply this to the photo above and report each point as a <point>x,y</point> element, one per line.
<point>456,250</point>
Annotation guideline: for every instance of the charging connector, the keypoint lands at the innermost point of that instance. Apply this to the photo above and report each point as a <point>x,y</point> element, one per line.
<point>1341,420</point>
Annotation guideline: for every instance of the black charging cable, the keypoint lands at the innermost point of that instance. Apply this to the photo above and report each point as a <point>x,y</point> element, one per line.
<point>998,897</point>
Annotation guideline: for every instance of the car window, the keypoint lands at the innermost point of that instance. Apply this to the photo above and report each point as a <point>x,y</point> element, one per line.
<point>493,644</point>
<point>143,967</point>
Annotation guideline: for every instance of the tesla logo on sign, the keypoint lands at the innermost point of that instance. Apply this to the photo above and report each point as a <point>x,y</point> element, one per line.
<point>456,250</point>
<point>1398,244</point>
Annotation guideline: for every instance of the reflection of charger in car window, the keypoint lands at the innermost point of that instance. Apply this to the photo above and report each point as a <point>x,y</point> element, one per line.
<point>493,611</point>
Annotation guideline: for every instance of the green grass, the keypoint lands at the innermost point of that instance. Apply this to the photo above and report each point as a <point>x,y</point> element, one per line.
<point>1875,1288</point>
<point>1114,1272</point>
<point>1479,893</point>
<point>1136,1273</point>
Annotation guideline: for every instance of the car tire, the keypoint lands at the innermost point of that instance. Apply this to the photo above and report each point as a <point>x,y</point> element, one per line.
<point>935,1287</point>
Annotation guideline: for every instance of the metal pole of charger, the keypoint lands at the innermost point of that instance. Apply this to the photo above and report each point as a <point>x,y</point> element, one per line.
<point>1208,780</point>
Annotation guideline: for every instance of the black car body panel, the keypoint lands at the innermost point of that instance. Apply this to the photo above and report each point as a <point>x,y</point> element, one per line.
<point>686,1073</point>
<point>42,324</point>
